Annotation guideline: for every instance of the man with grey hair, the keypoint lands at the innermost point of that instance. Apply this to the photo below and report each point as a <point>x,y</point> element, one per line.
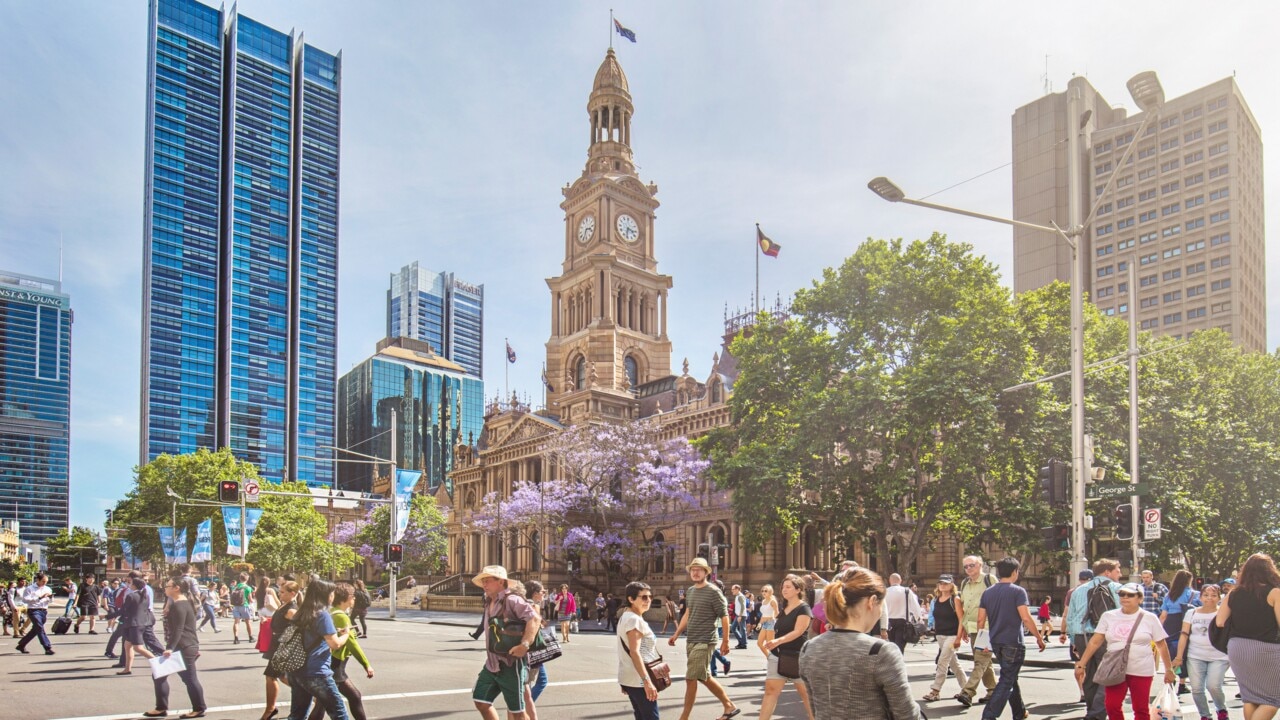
<point>974,584</point>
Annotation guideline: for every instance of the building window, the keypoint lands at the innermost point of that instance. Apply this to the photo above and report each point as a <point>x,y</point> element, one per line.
<point>1169,122</point>
<point>1218,149</point>
<point>1124,307</point>
<point>1148,324</point>
<point>1172,296</point>
<point>1106,292</point>
<point>1219,216</point>
<point>1125,244</point>
<point>1104,209</point>
<point>1172,274</point>
<point>1171,231</point>
<point>1219,172</point>
<point>1172,318</point>
<point>1220,262</point>
<point>1168,187</point>
<point>1124,202</point>
<point>1102,169</point>
<point>1193,135</point>
<point>1194,157</point>
<point>1192,113</point>
<point>580,374</point>
<point>1106,271</point>
<point>1194,313</point>
<point>1220,193</point>
<point>1125,223</point>
<point>1169,144</point>
<point>1195,290</point>
<point>1221,307</point>
<point>1146,195</point>
<point>1147,216</point>
<point>1146,152</point>
<point>1217,103</point>
<point>1105,250</point>
<point>1195,224</point>
<point>1194,202</point>
<point>1194,268</point>
<point>1148,259</point>
<point>1148,302</point>
<point>1169,166</point>
<point>1148,237</point>
<point>1146,174</point>
<point>1104,229</point>
<point>1217,127</point>
<point>1170,209</point>
<point>1222,239</point>
<point>633,371</point>
<point>1147,281</point>
<point>1194,246</point>
<point>1194,179</point>
<point>1220,284</point>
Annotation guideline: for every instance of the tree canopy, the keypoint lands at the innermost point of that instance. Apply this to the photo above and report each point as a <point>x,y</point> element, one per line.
<point>426,544</point>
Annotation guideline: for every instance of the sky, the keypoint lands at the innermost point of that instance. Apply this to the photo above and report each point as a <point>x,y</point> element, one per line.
<point>462,122</point>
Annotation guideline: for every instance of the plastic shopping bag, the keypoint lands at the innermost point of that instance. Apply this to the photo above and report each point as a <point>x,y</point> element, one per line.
<point>1166,705</point>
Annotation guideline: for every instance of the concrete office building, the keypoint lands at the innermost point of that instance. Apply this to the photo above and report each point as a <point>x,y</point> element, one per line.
<point>35,405</point>
<point>1186,209</point>
<point>240,238</point>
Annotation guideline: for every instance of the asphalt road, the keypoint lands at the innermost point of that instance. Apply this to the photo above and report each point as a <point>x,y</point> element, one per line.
<point>426,670</point>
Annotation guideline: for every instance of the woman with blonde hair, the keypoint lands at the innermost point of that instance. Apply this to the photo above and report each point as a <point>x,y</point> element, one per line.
<point>768,617</point>
<point>850,673</point>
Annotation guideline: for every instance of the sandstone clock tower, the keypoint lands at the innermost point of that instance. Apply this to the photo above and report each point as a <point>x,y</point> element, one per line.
<point>609,303</point>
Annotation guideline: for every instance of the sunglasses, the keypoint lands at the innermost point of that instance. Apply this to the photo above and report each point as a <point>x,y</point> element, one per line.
<point>1128,595</point>
<point>970,565</point>
<point>646,597</point>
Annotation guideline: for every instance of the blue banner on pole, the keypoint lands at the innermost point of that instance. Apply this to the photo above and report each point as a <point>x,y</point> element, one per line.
<point>126,549</point>
<point>405,482</point>
<point>231,521</point>
<point>203,550</point>
<point>180,546</point>
<point>166,542</point>
<point>251,518</point>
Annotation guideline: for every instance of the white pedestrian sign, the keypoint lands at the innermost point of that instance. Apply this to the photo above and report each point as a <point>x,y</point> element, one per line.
<point>1151,524</point>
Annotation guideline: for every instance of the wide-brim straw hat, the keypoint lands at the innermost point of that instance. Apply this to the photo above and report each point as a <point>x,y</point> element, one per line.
<point>699,562</point>
<point>490,571</point>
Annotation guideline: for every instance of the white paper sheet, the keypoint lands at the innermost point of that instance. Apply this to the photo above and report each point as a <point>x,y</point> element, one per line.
<point>163,667</point>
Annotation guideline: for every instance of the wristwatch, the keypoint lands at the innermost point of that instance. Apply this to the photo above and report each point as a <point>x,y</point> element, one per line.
<point>526,644</point>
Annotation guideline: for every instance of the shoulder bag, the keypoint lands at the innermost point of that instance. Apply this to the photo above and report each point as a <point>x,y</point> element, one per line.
<point>1114,666</point>
<point>292,652</point>
<point>548,652</point>
<point>789,664</point>
<point>659,671</point>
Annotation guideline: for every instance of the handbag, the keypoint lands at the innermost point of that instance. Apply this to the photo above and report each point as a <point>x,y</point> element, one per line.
<point>1219,636</point>
<point>264,636</point>
<point>1114,666</point>
<point>658,670</point>
<point>789,665</point>
<point>550,650</point>
<point>506,634</point>
<point>291,655</point>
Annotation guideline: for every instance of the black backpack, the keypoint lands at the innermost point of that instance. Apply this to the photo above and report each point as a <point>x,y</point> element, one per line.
<point>1101,599</point>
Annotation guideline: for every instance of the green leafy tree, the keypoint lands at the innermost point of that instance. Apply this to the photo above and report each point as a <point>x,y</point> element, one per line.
<point>73,551</point>
<point>872,412</point>
<point>292,534</point>
<point>14,569</point>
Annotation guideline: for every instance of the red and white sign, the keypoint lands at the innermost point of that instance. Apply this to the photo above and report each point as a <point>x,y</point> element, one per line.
<point>1151,524</point>
<point>251,490</point>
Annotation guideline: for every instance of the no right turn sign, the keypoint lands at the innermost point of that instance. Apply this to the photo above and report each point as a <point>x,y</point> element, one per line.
<point>1151,524</point>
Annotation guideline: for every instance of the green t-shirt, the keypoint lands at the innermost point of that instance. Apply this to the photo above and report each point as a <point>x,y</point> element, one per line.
<point>970,597</point>
<point>705,606</point>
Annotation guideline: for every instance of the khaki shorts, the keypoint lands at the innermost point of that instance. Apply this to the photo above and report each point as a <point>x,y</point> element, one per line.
<point>699,665</point>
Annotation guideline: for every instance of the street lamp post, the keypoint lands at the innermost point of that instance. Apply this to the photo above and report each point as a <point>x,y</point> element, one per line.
<point>1147,93</point>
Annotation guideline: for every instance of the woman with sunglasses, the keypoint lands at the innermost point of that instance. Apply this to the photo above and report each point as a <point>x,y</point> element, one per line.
<point>180,637</point>
<point>637,645</point>
<point>283,617</point>
<point>1114,628</point>
<point>1204,663</point>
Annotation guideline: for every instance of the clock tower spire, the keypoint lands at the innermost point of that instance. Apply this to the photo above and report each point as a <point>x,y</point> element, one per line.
<point>609,304</point>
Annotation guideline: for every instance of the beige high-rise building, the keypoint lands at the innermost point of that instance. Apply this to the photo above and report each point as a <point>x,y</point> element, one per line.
<point>1186,209</point>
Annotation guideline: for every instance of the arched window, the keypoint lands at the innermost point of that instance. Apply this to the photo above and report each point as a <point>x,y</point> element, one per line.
<point>633,371</point>
<point>580,374</point>
<point>717,392</point>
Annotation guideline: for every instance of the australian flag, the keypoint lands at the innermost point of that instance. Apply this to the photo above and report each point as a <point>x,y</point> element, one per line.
<point>511,353</point>
<point>624,32</point>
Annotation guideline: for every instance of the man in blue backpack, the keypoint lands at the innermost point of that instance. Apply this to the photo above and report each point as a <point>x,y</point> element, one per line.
<point>1085,606</point>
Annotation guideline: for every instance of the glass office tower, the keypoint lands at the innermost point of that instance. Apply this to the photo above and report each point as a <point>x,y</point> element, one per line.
<point>241,242</point>
<point>35,404</point>
<point>440,309</point>
<point>437,405</point>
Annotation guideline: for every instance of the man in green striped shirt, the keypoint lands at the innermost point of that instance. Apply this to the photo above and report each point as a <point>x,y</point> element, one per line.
<point>706,606</point>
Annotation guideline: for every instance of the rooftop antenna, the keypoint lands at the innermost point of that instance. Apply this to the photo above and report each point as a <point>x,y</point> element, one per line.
<point>1048,84</point>
<point>59,258</point>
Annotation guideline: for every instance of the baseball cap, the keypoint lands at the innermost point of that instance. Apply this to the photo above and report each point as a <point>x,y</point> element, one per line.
<point>946,578</point>
<point>1086,575</point>
<point>1229,581</point>
<point>1133,588</point>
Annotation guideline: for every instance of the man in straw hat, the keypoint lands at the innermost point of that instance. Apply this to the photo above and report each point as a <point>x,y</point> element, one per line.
<point>503,673</point>
<point>705,607</point>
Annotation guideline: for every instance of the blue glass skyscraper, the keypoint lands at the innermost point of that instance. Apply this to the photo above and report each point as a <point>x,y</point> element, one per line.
<point>35,404</point>
<point>440,309</point>
<point>241,242</point>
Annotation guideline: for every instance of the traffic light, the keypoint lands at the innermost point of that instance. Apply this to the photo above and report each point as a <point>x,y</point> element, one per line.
<point>1056,538</point>
<point>229,491</point>
<point>394,553</point>
<point>1055,483</point>
<point>703,552</point>
<point>1198,584</point>
<point>1123,519</point>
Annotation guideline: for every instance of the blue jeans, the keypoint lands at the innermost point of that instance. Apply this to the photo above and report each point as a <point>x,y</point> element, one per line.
<point>1007,691</point>
<point>37,617</point>
<point>1207,675</point>
<point>645,709</point>
<point>715,655</point>
<point>323,689</point>
<point>739,629</point>
<point>540,684</point>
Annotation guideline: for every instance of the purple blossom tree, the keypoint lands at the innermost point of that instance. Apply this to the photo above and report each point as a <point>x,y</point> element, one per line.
<point>425,540</point>
<point>615,488</point>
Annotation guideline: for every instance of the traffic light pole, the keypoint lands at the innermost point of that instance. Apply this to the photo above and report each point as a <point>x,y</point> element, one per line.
<point>1136,575</point>
<point>395,520</point>
<point>244,540</point>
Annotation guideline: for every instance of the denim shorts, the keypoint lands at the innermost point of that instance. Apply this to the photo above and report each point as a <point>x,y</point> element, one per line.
<point>767,624</point>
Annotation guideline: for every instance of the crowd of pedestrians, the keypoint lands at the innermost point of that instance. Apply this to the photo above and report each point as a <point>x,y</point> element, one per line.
<point>839,644</point>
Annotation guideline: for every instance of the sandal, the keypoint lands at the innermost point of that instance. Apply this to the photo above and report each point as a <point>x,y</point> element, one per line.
<point>732,713</point>
<point>933,695</point>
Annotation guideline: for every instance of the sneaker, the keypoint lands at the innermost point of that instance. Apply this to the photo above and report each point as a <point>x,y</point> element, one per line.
<point>1222,715</point>
<point>77,629</point>
<point>93,632</point>
<point>49,651</point>
<point>727,665</point>
<point>1184,690</point>
<point>986,697</point>
<point>964,699</point>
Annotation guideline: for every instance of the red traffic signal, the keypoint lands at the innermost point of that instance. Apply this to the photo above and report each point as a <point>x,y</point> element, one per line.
<point>394,553</point>
<point>229,491</point>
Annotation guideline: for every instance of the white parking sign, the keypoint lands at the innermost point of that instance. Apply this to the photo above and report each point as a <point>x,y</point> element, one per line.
<point>1151,524</point>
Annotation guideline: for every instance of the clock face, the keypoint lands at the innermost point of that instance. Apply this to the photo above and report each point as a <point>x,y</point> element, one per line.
<point>586,229</point>
<point>628,229</point>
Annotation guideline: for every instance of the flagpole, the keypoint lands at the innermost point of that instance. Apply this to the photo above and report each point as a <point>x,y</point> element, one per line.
<point>506,368</point>
<point>610,28</point>
<point>757,254</point>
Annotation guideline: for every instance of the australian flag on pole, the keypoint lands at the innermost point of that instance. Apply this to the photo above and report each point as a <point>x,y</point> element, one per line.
<point>511,353</point>
<point>624,32</point>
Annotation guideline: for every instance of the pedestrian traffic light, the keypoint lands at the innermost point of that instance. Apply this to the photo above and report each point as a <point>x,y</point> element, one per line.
<point>229,491</point>
<point>704,552</point>
<point>1054,483</point>
<point>1123,517</point>
<point>1198,584</point>
<point>1056,538</point>
<point>394,553</point>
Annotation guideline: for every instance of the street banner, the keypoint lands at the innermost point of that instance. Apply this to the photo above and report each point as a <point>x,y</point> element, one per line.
<point>405,482</point>
<point>166,543</point>
<point>126,549</point>
<point>231,521</point>
<point>180,546</point>
<point>203,550</point>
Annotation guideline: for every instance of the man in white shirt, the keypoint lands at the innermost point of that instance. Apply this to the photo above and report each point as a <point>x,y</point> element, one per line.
<point>902,608</point>
<point>739,617</point>
<point>37,597</point>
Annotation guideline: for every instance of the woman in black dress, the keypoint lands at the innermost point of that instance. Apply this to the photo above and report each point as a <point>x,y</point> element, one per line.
<point>180,637</point>
<point>135,617</point>
<point>282,618</point>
